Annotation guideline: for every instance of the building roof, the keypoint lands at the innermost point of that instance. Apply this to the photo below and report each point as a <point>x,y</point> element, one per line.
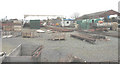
<point>98,14</point>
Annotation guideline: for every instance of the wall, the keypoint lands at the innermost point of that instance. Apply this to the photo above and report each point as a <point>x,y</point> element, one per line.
<point>16,51</point>
<point>23,53</point>
<point>27,49</point>
<point>18,59</point>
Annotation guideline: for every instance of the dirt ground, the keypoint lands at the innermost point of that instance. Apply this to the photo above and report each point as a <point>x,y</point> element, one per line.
<point>55,50</point>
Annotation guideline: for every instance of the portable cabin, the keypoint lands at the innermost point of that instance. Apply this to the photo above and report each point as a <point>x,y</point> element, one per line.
<point>67,22</point>
<point>35,24</point>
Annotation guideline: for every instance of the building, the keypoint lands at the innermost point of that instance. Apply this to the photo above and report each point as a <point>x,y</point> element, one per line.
<point>17,25</point>
<point>41,20</point>
<point>102,14</point>
<point>86,21</point>
<point>67,22</point>
<point>7,25</point>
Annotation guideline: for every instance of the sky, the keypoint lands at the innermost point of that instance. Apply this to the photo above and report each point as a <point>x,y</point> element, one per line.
<point>17,8</point>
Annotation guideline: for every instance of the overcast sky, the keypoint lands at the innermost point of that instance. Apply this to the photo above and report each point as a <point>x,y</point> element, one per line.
<point>17,8</point>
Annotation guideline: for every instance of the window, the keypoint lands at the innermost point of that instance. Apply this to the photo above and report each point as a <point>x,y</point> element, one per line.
<point>67,22</point>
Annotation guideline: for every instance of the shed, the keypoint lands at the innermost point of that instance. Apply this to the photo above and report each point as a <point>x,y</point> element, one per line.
<point>87,23</point>
<point>104,14</point>
<point>67,22</point>
<point>35,24</point>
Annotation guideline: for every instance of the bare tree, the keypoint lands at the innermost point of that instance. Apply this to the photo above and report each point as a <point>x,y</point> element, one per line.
<point>76,15</point>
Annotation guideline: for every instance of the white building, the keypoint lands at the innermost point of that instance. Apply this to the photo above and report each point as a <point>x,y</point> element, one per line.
<point>67,22</point>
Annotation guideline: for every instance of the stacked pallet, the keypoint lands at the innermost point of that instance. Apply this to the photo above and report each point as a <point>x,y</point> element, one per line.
<point>17,28</point>
<point>57,36</point>
<point>114,26</point>
<point>7,26</point>
<point>17,25</point>
<point>28,34</point>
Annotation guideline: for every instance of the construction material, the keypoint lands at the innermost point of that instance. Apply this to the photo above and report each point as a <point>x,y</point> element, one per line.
<point>112,34</point>
<point>16,22</point>
<point>28,34</point>
<point>103,25</point>
<point>17,34</point>
<point>114,26</point>
<point>99,37</point>
<point>115,34</point>
<point>17,25</point>
<point>57,36</point>
<point>7,34</point>
<point>17,28</point>
<point>37,51</point>
<point>71,58</point>
<point>40,31</point>
<point>10,34</point>
<point>60,29</point>
<point>7,28</point>
<point>82,37</point>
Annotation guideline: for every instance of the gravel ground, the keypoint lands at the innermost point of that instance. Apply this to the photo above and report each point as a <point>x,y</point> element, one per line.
<point>55,50</point>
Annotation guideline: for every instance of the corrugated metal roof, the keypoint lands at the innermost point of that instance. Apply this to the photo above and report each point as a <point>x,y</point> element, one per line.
<point>68,19</point>
<point>98,14</point>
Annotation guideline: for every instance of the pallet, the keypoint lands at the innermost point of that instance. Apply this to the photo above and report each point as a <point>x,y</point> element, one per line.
<point>28,34</point>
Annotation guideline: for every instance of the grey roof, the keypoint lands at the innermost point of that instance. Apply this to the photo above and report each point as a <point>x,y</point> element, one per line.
<point>93,15</point>
<point>98,14</point>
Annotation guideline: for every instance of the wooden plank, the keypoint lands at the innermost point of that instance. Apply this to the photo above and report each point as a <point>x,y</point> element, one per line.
<point>84,37</point>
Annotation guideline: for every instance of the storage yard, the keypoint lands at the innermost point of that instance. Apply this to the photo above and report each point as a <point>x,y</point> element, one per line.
<point>101,51</point>
<point>61,40</point>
